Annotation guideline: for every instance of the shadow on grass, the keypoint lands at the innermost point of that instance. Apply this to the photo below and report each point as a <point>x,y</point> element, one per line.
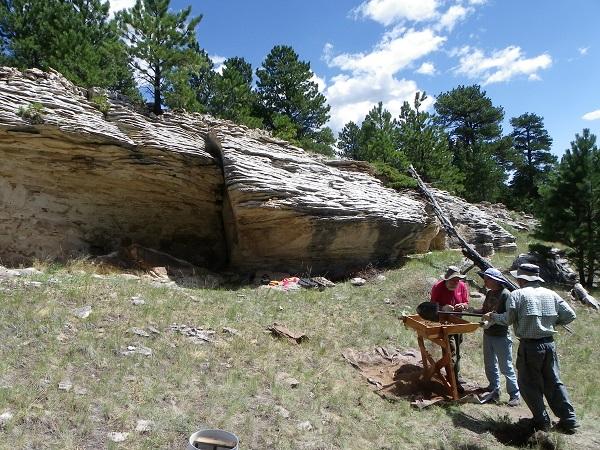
<point>518,434</point>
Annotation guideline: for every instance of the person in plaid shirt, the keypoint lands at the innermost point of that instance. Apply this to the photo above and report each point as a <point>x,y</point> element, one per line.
<point>534,311</point>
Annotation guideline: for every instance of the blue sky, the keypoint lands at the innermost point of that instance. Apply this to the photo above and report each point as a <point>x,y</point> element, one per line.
<point>537,56</point>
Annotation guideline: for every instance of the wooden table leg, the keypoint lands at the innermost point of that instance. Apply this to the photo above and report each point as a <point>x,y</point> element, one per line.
<point>449,365</point>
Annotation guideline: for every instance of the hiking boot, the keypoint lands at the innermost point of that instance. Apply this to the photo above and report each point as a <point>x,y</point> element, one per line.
<point>490,397</point>
<point>567,427</point>
<point>514,401</point>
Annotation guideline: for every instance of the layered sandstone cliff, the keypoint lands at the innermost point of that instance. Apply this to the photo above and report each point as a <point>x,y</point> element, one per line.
<point>205,190</point>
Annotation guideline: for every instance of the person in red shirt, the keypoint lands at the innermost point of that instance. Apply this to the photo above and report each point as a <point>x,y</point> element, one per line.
<point>452,294</point>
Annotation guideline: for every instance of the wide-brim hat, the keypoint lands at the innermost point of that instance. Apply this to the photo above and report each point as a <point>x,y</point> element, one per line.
<point>494,274</point>
<point>453,272</point>
<point>529,272</point>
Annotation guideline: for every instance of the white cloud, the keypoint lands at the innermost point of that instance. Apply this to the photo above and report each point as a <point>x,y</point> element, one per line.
<point>320,82</point>
<point>427,68</point>
<point>451,17</point>
<point>118,5</point>
<point>351,98</point>
<point>477,2</point>
<point>593,115</point>
<point>501,65</point>
<point>583,50</point>
<point>388,12</point>
<point>218,62</point>
<point>389,55</point>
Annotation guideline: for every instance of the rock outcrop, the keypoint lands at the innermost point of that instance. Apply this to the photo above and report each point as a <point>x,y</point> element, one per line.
<point>80,182</point>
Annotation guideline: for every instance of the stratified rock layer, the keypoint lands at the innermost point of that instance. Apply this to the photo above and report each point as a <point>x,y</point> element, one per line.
<point>201,189</point>
<point>81,183</point>
<point>291,211</point>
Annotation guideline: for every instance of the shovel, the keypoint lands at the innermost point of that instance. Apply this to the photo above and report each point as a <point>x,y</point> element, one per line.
<point>431,311</point>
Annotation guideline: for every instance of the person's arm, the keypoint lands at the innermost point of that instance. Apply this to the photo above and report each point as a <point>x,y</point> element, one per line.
<point>463,297</point>
<point>485,307</point>
<point>565,312</point>
<point>509,316</point>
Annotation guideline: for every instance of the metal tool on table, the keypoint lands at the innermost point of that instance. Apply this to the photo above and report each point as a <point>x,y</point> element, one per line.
<point>431,311</point>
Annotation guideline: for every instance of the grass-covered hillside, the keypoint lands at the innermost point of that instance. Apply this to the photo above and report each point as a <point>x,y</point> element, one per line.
<point>66,384</point>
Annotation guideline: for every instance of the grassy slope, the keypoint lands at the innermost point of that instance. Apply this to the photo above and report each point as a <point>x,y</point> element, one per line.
<point>231,384</point>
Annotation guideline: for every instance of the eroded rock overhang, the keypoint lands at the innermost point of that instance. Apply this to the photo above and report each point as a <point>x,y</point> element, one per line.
<point>205,190</point>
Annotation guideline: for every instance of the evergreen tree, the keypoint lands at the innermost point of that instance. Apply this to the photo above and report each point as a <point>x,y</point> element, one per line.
<point>285,88</point>
<point>426,146</point>
<point>532,159</point>
<point>570,210</point>
<point>473,124</point>
<point>163,47</point>
<point>191,87</point>
<point>233,96</point>
<point>379,138</point>
<point>74,37</point>
<point>349,141</point>
<point>376,141</point>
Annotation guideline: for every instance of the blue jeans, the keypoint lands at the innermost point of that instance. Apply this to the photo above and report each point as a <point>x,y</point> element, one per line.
<point>497,353</point>
<point>539,377</point>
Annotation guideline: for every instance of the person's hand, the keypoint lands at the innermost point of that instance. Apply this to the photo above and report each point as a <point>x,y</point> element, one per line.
<point>487,317</point>
<point>461,307</point>
<point>448,308</point>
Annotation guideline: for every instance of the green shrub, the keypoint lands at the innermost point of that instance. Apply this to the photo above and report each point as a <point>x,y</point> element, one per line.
<point>392,177</point>
<point>34,112</point>
<point>101,103</point>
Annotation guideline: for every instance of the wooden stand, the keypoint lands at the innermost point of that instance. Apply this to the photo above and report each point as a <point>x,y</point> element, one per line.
<point>438,334</point>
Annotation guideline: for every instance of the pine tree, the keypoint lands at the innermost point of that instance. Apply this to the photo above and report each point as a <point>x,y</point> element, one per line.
<point>285,88</point>
<point>426,146</point>
<point>74,37</point>
<point>233,96</point>
<point>570,210</point>
<point>349,141</point>
<point>474,126</point>
<point>532,159</point>
<point>163,45</point>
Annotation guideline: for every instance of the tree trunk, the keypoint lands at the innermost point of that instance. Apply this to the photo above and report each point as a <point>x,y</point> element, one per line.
<point>157,93</point>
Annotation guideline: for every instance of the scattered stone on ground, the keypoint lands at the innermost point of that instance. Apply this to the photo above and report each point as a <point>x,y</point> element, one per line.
<point>198,335</point>
<point>65,385</point>
<point>137,300</point>
<point>285,379</point>
<point>232,331</point>
<point>116,436</point>
<point>144,426</point>
<point>153,330</point>
<point>33,284</point>
<point>305,426</point>
<point>80,390</point>
<point>380,278</point>
<point>358,281</point>
<point>5,417</point>
<point>140,350</point>
<point>282,331</point>
<point>581,295</point>
<point>281,411</point>
<point>83,312</point>
<point>139,332</point>
<point>12,273</point>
